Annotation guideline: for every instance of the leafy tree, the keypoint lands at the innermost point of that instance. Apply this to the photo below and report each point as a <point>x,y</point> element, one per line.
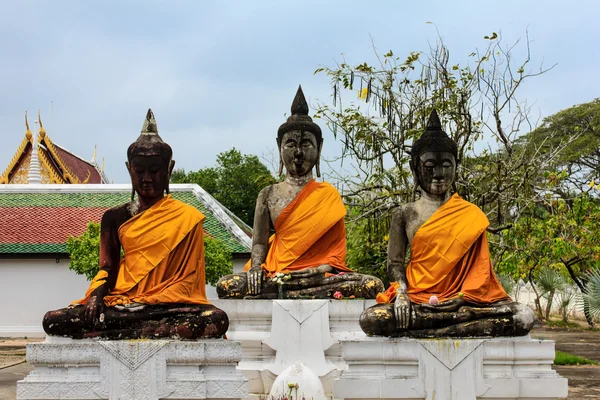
<point>559,235</point>
<point>579,127</point>
<point>378,110</point>
<point>235,182</point>
<point>84,252</point>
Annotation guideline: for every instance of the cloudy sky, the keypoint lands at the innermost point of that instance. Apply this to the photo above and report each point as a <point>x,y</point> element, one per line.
<point>220,74</point>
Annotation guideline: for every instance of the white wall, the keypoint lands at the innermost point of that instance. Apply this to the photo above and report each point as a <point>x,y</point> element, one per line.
<point>29,288</point>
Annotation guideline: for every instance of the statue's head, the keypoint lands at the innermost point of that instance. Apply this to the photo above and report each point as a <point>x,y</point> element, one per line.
<point>299,140</point>
<point>149,161</point>
<point>434,157</point>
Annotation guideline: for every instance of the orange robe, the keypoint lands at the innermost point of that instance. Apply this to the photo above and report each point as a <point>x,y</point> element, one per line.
<point>450,255</point>
<point>309,232</point>
<point>164,258</point>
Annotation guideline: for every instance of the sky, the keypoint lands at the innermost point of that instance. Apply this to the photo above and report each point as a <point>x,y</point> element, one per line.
<point>219,74</point>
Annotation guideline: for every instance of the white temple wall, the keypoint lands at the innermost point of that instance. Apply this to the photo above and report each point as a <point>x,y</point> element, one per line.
<point>29,288</point>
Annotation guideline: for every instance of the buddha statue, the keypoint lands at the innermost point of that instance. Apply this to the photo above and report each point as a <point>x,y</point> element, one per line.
<point>157,289</point>
<point>448,288</point>
<point>306,256</point>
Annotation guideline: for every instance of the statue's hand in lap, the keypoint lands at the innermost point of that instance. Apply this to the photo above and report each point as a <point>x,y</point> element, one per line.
<point>402,309</point>
<point>451,305</point>
<point>307,273</point>
<point>255,280</point>
<point>93,309</point>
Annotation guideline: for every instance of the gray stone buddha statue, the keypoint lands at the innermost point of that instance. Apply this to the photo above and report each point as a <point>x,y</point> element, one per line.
<point>448,288</point>
<point>306,255</point>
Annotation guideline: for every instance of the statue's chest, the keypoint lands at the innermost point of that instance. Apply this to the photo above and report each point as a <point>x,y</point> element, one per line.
<point>416,218</point>
<point>279,199</point>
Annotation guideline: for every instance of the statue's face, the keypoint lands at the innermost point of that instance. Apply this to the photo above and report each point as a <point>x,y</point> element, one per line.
<point>299,152</point>
<point>149,175</point>
<point>436,171</point>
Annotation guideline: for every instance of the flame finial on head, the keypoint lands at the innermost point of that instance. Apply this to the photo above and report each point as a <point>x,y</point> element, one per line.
<point>434,124</point>
<point>149,127</point>
<point>299,105</point>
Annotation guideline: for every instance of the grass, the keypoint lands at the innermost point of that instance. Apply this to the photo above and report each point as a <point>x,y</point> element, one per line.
<point>563,358</point>
<point>562,324</point>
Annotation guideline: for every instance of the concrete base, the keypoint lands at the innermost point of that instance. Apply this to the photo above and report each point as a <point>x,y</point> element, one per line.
<point>276,334</point>
<point>449,369</point>
<point>133,369</point>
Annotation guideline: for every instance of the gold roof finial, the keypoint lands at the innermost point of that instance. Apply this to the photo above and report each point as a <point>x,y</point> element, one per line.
<point>94,155</point>
<point>102,167</point>
<point>28,134</point>
<point>42,130</point>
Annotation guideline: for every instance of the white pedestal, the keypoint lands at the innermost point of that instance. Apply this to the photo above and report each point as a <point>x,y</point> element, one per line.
<point>449,369</point>
<point>275,334</point>
<point>133,369</point>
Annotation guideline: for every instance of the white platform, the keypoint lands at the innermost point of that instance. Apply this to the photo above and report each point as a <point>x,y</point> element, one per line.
<point>277,333</point>
<point>450,369</point>
<point>133,370</point>
<point>326,337</point>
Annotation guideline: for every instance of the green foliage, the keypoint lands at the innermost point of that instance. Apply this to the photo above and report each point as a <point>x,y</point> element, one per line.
<point>563,358</point>
<point>84,252</point>
<point>235,182</point>
<point>367,249</point>
<point>577,129</point>
<point>592,295</point>
<point>507,283</point>
<point>549,282</point>
<point>217,259</point>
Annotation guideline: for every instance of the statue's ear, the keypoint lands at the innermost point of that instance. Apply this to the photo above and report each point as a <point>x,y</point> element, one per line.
<point>280,158</point>
<point>318,164</point>
<point>171,166</point>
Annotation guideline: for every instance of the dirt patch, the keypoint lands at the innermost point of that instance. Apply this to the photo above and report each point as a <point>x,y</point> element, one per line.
<point>584,380</point>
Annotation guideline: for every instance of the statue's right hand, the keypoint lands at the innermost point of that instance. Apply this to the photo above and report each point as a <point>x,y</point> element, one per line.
<point>94,308</point>
<point>402,310</point>
<point>255,280</point>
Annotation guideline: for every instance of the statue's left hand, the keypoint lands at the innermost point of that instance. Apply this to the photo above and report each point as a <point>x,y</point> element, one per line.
<point>255,278</point>
<point>94,308</point>
<point>446,306</point>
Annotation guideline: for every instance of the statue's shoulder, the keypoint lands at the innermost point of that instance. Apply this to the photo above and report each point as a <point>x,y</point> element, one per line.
<point>268,191</point>
<point>115,216</point>
<point>124,210</point>
<point>404,211</point>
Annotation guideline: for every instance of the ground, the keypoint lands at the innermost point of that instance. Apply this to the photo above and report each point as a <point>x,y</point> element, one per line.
<point>584,381</point>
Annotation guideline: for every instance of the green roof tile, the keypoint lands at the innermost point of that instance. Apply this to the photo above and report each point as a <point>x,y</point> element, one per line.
<point>100,200</point>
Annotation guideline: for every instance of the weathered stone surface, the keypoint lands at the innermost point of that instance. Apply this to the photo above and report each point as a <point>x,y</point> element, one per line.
<point>449,369</point>
<point>133,369</point>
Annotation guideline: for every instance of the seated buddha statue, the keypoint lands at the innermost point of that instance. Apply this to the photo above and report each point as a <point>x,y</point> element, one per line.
<point>157,289</point>
<point>448,288</point>
<point>308,248</point>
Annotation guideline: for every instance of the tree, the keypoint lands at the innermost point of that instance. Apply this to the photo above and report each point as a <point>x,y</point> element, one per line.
<point>235,182</point>
<point>581,157</point>
<point>84,252</point>
<point>478,102</point>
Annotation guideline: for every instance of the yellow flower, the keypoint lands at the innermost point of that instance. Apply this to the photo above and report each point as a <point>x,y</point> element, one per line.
<point>592,183</point>
<point>386,237</point>
<point>363,94</point>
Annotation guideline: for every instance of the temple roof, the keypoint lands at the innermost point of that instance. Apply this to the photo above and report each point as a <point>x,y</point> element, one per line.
<point>55,163</point>
<point>38,219</point>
